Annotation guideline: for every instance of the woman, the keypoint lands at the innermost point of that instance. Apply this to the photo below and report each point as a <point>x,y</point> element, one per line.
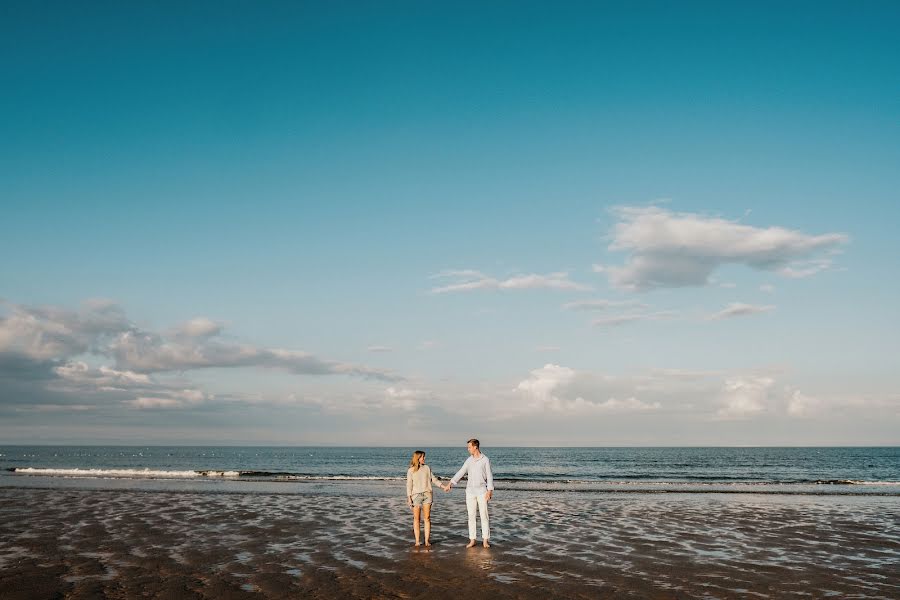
<point>418,493</point>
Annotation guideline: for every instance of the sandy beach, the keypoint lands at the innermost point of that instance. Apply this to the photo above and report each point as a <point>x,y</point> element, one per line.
<point>79,543</point>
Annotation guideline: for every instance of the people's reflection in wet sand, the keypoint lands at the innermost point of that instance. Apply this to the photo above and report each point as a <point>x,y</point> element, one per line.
<point>480,558</point>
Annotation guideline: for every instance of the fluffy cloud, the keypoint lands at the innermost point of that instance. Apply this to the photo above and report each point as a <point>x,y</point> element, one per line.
<point>103,330</point>
<point>104,378</point>
<point>198,328</point>
<point>45,356</point>
<point>53,333</point>
<point>105,384</point>
<point>145,402</point>
<point>173,399</point>
<point>598,305</point>
<point>801,405</point>
<point>406,399</point>
<point>700,396</point>
<point>669,249</point>
<point>394,398</point>
<point>148,352</point>
<point>554,388</point>
<point>744,397</point>
<point>616,320</point>
<point>804,269</point>
<point>468,280</point>
<point>739,309</point>
<point>34,385</point>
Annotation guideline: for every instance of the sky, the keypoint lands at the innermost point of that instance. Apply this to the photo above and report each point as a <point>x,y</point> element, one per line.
<point>346,223</point>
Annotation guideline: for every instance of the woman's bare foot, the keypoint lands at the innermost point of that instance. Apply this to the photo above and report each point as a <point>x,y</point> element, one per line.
<point>427,544</point>
<point>485,544</point>
<point>471,544</point>
<point>418,544</point>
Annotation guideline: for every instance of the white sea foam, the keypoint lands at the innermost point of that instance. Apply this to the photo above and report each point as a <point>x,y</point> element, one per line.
<point>875,482</point>
<point>219,473</point>
<point>163,474</point>
<point>128,473</point>
<point>349,478</point>
<point>512,483</point>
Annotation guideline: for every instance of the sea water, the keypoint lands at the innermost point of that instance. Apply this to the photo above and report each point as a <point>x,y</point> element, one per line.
<point>761,470</point>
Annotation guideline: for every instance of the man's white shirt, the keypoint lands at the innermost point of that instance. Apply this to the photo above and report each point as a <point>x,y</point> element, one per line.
<point>480,477</point>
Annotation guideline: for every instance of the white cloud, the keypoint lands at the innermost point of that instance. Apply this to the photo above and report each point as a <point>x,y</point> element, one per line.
<point>148,402</point>
<point>78,379</point>
<point>380,349</point>
<point>53,408</point>
<point>597,305</point>
<point>801,405</point>
<point>406,399</point>
<point>148,352</point>
<point>469,280</point>
<point>176,399</point>
<point>745,397</point>
<point>614,405</point>
<point>545,380</point>
<point>554,388</point>
<point>767,288</point>
<point>47,353</point>
<point>680,374</point>
<point>79,373</point>
<point>616,320</point>
<point>101,329</point>
<point>739,309</point>
<point>393,399</point>
<point>52,333</point>
<point>669,249</point>
<point>804,269</point>
<point>199,327</point>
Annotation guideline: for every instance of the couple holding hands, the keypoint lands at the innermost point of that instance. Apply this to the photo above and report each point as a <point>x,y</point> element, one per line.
<point>479,489</point>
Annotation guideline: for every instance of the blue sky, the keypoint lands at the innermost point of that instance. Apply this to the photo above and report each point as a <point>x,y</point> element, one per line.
<point>233,223</point>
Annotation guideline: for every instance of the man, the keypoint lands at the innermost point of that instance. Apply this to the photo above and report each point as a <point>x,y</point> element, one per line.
<point>479,489</point>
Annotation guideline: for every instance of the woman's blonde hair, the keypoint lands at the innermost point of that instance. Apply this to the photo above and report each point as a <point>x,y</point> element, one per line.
<point>414,461</point>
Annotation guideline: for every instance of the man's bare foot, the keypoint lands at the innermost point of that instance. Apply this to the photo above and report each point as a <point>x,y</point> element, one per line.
<point>418,544</point>
<point>471,544</point>
<point>485,544</point>
<point>427,544</point>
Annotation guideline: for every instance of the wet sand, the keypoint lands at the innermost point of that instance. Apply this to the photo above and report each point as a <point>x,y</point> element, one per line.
<point>72,543</point>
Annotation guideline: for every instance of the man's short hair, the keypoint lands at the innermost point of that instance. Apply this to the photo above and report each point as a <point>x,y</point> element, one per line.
<point>475,443</point>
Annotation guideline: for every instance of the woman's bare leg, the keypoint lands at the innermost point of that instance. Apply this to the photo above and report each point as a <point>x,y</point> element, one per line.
<point>416,511</point>
<point>426,515</point>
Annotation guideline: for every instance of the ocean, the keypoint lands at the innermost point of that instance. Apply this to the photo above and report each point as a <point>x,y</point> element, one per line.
<point>835,470</point>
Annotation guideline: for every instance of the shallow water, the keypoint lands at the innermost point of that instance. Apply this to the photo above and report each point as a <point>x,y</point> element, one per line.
<point>586,545</point>
<point>572,470</point>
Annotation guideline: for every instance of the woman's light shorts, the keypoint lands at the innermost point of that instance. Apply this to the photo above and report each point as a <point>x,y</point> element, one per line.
<point>421,498</point>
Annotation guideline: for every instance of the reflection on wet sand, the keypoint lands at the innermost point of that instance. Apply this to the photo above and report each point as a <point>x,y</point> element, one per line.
<point>83,543</point>
<point>479,559</point>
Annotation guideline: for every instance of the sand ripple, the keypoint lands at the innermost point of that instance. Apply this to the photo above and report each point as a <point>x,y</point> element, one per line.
<point>122,544</point>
